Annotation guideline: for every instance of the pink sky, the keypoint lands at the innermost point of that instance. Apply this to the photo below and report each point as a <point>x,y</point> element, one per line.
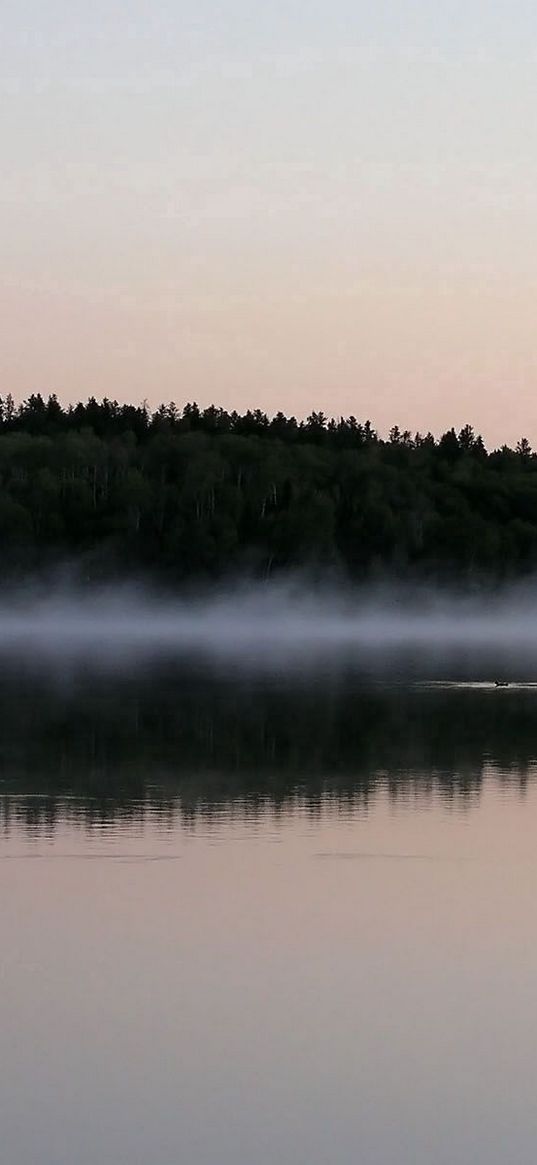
<point>318,210</point>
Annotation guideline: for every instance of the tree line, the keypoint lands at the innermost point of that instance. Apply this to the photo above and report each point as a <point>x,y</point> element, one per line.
<point>185,493</point>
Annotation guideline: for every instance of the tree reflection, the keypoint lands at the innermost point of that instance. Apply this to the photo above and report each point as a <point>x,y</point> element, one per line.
<point>184,749</point>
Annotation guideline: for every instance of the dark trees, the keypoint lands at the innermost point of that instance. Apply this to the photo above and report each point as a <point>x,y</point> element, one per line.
<point>203,492</point>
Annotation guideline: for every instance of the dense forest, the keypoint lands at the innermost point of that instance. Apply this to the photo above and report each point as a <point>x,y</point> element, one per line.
<point>187,493</point>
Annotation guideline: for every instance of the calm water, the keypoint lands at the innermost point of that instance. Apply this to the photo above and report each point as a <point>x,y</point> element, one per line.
<point>255,921</point>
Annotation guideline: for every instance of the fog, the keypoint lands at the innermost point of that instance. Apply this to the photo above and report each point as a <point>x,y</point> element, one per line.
<point>268,625</point>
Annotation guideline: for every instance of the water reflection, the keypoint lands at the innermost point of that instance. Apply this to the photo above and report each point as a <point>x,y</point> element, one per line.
<point>180,748</point>
<point>267,921</point>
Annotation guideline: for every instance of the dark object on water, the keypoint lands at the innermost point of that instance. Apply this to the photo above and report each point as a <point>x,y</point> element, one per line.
<point>501,683</point>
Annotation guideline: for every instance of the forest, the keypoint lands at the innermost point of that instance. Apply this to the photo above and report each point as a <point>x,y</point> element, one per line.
<point>182,494</point>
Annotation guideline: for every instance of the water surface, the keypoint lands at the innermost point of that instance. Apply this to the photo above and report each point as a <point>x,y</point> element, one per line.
<point>248,920</point>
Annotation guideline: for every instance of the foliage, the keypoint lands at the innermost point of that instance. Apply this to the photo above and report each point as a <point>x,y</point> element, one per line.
<point>183,493</point>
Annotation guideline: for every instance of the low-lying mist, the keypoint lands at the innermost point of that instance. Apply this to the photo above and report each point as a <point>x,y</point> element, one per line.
<point>268,625</point>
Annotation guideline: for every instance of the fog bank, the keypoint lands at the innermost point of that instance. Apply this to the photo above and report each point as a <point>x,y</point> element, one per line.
<point>272,625</point>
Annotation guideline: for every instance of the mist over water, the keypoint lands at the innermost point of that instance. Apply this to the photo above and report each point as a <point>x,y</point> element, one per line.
<point>269,625</point>
<point>237,871</point>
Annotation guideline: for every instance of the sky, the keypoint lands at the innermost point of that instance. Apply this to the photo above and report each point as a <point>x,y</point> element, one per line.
<point>289,206</point>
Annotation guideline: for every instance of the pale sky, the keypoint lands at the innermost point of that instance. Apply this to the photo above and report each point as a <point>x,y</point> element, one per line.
<point>295,206</point>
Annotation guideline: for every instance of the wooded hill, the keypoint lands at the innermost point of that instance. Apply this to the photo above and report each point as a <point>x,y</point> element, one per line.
<point>184,493</point>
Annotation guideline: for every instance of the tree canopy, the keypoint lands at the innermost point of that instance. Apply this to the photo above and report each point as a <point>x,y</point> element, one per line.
<point>182,493</point>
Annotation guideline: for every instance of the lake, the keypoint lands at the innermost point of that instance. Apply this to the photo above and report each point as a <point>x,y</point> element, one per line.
<point>250,919</point>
